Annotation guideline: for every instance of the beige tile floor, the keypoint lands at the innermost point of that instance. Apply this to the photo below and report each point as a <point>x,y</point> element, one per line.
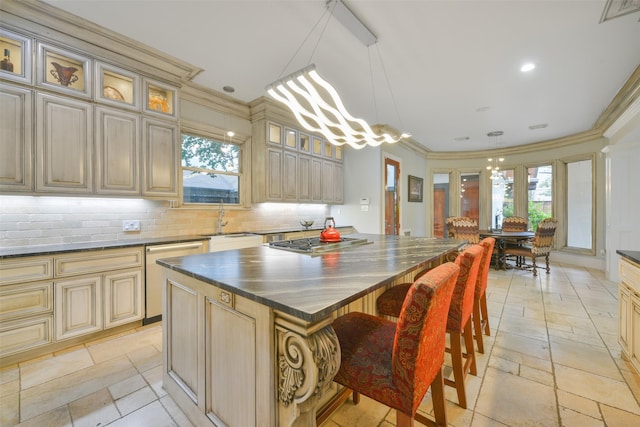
<point>552,360</point>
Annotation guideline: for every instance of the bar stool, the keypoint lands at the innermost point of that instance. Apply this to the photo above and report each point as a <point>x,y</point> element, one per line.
<point>480,311</point>
<point>395,363</point>
<point>458,319</point>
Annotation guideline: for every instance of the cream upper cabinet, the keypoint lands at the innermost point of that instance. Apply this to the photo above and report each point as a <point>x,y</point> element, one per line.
<point>161,158</point>
<point>16,138</point>
<point>117,152</point>
<point>64,136</point>
<point>291,166</point>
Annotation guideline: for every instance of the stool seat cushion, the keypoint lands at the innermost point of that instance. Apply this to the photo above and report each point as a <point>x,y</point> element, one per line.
<point>391,300</point>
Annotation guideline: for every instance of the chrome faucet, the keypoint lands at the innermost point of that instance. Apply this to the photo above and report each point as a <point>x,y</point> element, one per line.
<point>221,223</point>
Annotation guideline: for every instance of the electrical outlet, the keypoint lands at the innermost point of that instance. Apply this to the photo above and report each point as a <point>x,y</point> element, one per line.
<point>131,225</point>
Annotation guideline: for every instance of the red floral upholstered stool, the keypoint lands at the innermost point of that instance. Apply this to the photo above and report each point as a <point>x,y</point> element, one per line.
<point>480,311</point>
<point>395,363</point>
<point>459,323</point>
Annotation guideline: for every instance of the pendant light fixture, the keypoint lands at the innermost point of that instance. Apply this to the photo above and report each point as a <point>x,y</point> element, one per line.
<point>495,161</point>
<point>316,104</point>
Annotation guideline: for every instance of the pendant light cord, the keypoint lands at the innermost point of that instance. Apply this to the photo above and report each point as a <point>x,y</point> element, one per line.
<point>307,38</point>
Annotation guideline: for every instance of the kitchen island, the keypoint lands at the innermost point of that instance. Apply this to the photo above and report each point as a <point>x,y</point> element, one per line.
<point>248,338</point>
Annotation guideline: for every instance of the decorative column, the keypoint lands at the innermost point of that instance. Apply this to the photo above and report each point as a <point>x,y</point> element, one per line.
<point>308,357</point>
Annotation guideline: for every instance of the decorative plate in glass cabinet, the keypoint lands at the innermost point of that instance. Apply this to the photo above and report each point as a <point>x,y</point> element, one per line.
<point>160,99</point>
<point>63,71</point>
<point>116,86</point>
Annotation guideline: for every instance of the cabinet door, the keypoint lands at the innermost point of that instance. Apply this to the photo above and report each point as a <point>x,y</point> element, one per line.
<point>624,306</point>
<point>304,178</point>
<point>327,181</point>
<point>634,344</point>
<point>338,183</point>
<point>78,307</point>
<point>274,174</point>
<point>16,139</point>
<point>122,298</point>
<point>290,176</point>
<point>316,180</point>
<point>64,143</point>
<point>161,154</point>
<point>117,148</point>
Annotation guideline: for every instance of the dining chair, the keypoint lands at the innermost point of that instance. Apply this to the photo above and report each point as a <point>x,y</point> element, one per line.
<point>466,229</point>
<point>459,325</point>
<point>480,309</point>
<point>541,245</point>
<point>396,363</point>
<point>514,224</point>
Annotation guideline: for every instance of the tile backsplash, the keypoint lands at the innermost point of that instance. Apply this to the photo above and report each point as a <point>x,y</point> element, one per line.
<point>38,220</point>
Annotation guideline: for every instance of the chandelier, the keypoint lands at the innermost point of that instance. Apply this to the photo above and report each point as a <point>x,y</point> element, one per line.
<point>494,162</point>
<point>316,104</point>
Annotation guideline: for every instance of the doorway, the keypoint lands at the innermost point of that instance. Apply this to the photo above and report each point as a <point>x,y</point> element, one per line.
<point>391,197</point>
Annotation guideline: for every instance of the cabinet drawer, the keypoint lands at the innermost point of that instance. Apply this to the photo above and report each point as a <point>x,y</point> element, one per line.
<point>22,335</point>
<point>20,270</point>
<point>25,300</point>
<point>98,261</point>
<point>630,274</point>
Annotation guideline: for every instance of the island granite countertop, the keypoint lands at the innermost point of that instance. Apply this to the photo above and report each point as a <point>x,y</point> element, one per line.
<point>311,287</point>
<point>630,255</point>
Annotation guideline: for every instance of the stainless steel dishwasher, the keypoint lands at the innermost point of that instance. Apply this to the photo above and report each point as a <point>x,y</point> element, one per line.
<point>153,290</point>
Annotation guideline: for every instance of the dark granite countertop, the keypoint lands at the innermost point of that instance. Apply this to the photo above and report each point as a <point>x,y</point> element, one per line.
<point>630,255</point>
<point>311,287</point>
<point>94,246</point>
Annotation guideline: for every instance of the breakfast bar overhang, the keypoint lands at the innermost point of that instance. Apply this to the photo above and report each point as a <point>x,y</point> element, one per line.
<point>247,334</point>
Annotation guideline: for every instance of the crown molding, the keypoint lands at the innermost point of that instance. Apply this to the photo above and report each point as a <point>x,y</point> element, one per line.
<point>54,25</point>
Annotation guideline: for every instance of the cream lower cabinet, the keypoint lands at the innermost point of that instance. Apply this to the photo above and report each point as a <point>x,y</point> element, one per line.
<point>212,365</point>
<point>629,311</point>
<point>45,300</point>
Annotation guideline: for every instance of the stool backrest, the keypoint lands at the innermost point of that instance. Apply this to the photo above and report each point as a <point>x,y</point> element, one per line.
<point>514,223</point>
<point>462,299</point>
<point>419,343</point>
<point>483,274</point>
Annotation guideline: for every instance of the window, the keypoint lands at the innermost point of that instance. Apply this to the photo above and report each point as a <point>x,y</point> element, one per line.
<point>501,197</point>
<point>580,204</point>
<point>540,186</point>
<point>210,170</point>
<point>470,195</point>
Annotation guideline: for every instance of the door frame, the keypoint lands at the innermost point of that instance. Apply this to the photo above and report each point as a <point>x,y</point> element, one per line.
<point>398,160</point>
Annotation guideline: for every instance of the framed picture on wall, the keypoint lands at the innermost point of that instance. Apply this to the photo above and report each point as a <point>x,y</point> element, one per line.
<point>415,189</point>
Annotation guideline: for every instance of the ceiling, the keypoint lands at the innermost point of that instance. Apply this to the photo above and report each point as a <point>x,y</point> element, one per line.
<point>443,71</point>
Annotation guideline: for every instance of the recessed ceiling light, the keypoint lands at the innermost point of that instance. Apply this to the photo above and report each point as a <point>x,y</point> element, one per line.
<point>538,126</point>
<point>483,109</point>
<point>230,133</point>
<point>228,89</point>
<point>461,138</point>
<point>527,67</point>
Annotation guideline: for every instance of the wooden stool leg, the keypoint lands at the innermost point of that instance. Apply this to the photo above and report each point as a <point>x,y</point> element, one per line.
<point>468,346</point>
<point>356,397</point>
<point>403,420</point>
<point>477,325</point>
<point>458,368</point>
<point>485,314</point>
<point>437,393</point>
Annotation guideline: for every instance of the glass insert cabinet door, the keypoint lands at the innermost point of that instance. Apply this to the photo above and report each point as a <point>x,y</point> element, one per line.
<point>160,99</point>
<point>64,71</point>
<point>116,86</point>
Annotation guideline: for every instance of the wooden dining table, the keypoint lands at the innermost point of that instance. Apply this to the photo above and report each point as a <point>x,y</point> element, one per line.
<point>502,238</point>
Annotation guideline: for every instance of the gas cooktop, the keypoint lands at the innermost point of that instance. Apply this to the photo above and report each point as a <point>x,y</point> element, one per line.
<point>313,245</point>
